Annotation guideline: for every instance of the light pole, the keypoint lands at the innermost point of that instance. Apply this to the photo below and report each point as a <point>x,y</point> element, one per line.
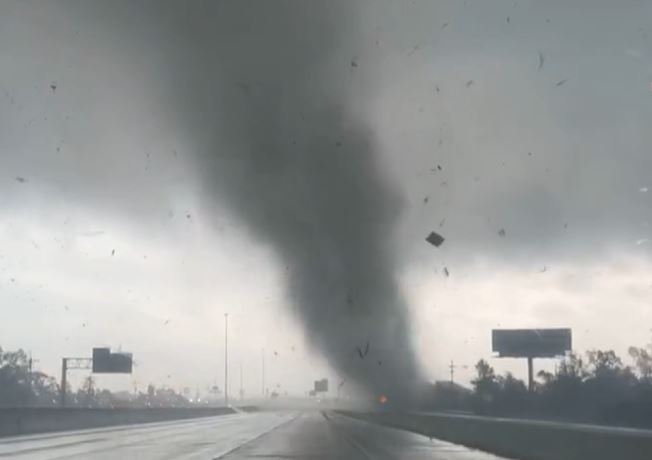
<point>226,359</point>
<point>263,379</point>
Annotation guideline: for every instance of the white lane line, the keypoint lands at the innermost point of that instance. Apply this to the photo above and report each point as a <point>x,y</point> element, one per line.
<point>356,445</point>
<point>234,449</point>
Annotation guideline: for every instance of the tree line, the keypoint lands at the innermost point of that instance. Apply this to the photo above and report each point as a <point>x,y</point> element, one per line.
<point>595,387</point>
<point>20,386</point>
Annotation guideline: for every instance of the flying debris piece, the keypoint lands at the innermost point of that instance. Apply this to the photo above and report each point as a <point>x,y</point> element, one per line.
<point>354,62</point>
<point>544,269</point>
<point>469,83</point>
<point>446,272</point>
<point>53,87</point>
<point>501,232</point>
<point>443,221</point>
<point>561,82</point>
<point>275,353</point>
<point>542,58</point>
<point>22,180</point>
<point>437,88</point>
<point>507,19</point>
<point>435,239</point>
<point>425,200</point>
<point>444,25</point>
<point>643,189</point>
<point>113,252</point>
<point>439,167</point>
<point>188,216</point>
<point>363,353</point>
<point>380,363</point>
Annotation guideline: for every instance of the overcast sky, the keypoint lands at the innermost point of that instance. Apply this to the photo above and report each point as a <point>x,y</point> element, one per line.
<point>519,130</point>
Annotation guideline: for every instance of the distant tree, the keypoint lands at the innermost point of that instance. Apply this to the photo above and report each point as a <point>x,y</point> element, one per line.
<point>86,393</point>
<point>15,389</point>
<point>643,361</point>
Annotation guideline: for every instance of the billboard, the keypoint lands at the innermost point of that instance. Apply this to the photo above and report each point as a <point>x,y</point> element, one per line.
<point>105,362</point>
<point>531,343</point>
<point>321,386</point>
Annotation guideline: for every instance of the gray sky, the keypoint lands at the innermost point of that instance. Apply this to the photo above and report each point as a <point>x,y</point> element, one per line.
<point>539,123</point>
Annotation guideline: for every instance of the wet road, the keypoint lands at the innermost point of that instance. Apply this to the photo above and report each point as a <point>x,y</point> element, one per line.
<point>308,435</point>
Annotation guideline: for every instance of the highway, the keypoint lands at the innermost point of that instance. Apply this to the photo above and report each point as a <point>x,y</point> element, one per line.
<point>273,435</point>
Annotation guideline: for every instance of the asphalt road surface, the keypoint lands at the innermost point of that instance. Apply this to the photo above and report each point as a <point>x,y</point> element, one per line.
<point>277,435</point>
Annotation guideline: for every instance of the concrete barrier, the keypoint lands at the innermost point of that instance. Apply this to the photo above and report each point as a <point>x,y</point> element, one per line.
<point>14,422</point>
<point>524,439</point>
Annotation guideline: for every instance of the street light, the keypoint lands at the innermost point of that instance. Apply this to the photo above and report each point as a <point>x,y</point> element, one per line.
<point>226,359</point>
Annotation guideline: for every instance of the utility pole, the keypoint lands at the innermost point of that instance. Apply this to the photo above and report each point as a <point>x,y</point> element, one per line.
<point>226,359</point>
<point>452,366</point>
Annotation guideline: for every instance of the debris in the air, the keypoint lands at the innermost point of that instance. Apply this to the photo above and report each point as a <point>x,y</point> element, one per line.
<point>507,19</point>
<point>415,48</point>
<point>642,241</point>
<point>113,252</point>
<point>439,167</point>
<point>275,353</point>
<point>166,322</point>
<point>188,216</point>
<point>643,189</point>
<point>22,180</point>
<point>437,88</point>
<point>362,353</point>
<point>561,82</point>
<point>354,63</point>
<point>444,25</point>
<point>542,58</point>
<point>446,272</point>
<point>425,199</point>
<point>529,154</point>
<point>53,87</point>
<point>435,239</point>
<point>380,363</point>
<point>292,348</point>
<point>83,324</point>
<point>544,269</point>
<point>501,232</point>
<point>443,221</point>
<point>469,83</point>
<point>13,280</point>
<point>338,144</point>
<point>566,225</point>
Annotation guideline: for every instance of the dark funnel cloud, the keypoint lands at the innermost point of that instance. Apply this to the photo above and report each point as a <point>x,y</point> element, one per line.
<point>270,94</point>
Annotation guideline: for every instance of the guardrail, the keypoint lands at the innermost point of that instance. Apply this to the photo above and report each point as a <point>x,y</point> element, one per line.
<point>524,439</point>
<point>21,421</point>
